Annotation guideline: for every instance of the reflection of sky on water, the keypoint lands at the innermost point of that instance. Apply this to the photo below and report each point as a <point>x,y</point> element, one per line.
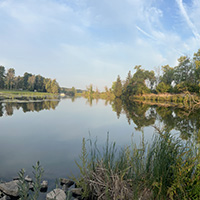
<point>54,136</point>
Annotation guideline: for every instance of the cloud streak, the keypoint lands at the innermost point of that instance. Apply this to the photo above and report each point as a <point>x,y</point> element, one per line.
<point>187,19</point>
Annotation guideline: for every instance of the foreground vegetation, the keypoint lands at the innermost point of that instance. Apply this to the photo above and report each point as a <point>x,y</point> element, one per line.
<point>165,169</point>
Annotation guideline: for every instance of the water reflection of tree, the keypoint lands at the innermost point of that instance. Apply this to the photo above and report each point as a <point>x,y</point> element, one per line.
<point>28,107</point>
<point>117,106</point>
<point>180,119</point>
<point>1,110</point>
<point>9,109</point>
<point>173,118</point>
<point>137,112</point>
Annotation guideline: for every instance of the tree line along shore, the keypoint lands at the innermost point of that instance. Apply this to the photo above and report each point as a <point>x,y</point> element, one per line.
<point>173,84</point>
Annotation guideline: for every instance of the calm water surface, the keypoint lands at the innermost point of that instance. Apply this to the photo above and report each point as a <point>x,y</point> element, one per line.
<point>51,132</point>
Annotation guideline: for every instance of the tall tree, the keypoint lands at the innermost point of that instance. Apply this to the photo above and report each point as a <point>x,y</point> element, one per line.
<point>47,82</point>
<point>10,79</point>
<point>19,82</point>
<point>2,77</point>
<point>196,62</point>
<point>118,87</point>
<point>39,83</point>
<point>54,86</point>
<point>26,77</point>
<point>184,75</point>
<point>137,85</point>
<point>31,83</point>
<point>73,91</point>
<point>127,81</point>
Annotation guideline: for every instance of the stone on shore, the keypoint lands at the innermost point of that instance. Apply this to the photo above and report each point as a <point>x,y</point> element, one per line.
<point>56,194</point>
<point>28,179</point>
<point>44,186</point>
<point>67,182</point>
<point>76,192</point>
<point>10,188</point>
<point>5,198</point>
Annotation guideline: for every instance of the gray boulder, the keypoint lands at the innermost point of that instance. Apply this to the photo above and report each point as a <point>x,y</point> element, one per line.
<point>5,198</point>
<point>56,194</point>
<point>76,192</point>
<point>44,186</point>
<point>10,188</point>
<point>67,182</point>
<point>28,179</point>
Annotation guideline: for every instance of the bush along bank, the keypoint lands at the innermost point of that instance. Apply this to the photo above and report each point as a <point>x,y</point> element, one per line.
<point>185,98</point>
<point>165,169</point>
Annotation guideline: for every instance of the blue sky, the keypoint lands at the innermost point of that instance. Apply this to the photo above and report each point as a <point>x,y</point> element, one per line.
<point>79,42</point>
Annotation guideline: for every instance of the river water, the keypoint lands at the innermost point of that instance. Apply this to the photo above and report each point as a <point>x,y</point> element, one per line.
<point>51,131</point>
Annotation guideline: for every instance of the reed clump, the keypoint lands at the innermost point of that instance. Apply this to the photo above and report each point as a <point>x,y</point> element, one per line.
<point>165,169</point>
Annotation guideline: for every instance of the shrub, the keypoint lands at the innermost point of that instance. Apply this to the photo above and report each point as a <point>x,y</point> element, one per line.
<point>165,169</point>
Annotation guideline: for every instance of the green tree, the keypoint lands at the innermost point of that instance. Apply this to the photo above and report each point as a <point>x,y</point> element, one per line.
<point>2,77</point>
<point>184,74</point>
<point>90,91</point>
<point>39,83</point>
<point>118,87</point>
<point>47,83</point>
<point>18,82</point>
<point>25,78</point>
<point>127,81</point>
<point>31,83</point>
<point>168,74</point>
<point>196,62</point>
<point>54,87</point>
<point>162,87</point>
<point>10,79</point>
<point>137,85</point>
<point>73,91</point>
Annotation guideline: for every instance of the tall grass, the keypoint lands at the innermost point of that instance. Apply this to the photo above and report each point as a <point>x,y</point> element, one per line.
<point>165,169</point>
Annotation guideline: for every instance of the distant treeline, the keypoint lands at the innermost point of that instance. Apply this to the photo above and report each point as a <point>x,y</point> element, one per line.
<point>70,91</point>
<point>28,81</point>
<point>181,78</point>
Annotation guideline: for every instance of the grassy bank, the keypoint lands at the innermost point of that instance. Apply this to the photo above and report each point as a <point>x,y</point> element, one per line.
<point>184,98</point>
<point>25,95</point>
<point>164,169</point>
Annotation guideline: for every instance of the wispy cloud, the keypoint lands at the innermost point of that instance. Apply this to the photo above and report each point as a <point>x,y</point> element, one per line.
<point>187,19</point>
<point>145,33</point>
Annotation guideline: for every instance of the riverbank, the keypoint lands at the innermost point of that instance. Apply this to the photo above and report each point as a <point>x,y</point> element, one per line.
<point>183,98</point>
<point>17,96</point>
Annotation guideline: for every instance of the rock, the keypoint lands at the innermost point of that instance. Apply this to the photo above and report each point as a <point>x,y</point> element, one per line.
<point>28,179</point>
<point>5,198</point>
<point>10,188</point>
<point>44,186</point>
<point>67,182</point>
<point>76,192</point>
<point>64,188</point>
<point>56,194</point>
<point>16,178</point>
<point>30,184</point>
